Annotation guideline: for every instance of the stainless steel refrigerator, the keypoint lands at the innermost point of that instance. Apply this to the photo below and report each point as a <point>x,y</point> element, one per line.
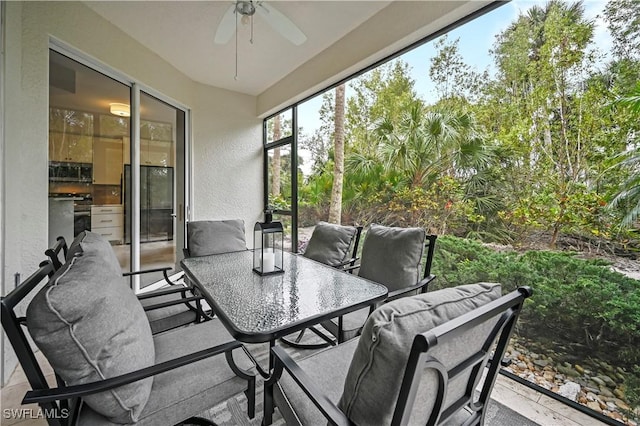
<point>156,203</point>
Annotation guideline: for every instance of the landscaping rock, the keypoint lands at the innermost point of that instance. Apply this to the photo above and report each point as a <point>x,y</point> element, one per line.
<point>592,383</point>
<point>569,390</point>
<point>594,406</point>
<point>541,362</point>
<point>606,392</point>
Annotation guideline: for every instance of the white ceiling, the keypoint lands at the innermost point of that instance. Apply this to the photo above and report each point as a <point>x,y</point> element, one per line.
<point>182,33</point>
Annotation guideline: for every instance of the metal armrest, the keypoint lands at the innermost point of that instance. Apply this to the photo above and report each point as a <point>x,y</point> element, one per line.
<point>177,289</point>
<point>184,299</point>
<point>421,285</point>
<point>345,263</point>
<point>351,268</point>
<point>148,271</point>
<point>324,404</point>
<point>67,392</point>
<point>172,302</point>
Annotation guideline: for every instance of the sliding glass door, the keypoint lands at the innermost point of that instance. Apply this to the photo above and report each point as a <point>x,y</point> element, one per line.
<point>98,124</point>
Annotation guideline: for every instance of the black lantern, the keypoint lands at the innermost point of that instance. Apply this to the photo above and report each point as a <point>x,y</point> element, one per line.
<point>268,238</point>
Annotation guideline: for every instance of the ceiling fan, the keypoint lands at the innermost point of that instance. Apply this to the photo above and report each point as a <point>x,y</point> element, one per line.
<point>245,11</point>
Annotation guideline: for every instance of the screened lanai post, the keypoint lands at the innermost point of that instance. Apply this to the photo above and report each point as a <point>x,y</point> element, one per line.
<point>294,180</point>
<point>275,173</point>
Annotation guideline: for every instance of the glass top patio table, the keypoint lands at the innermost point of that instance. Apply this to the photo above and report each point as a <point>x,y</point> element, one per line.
<point>257,308</point>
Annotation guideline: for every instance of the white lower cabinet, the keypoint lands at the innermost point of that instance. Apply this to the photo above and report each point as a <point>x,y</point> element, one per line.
<point>108,221</point>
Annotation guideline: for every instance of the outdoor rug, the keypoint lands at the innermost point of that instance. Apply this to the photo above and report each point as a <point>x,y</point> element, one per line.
<point>233,412</point>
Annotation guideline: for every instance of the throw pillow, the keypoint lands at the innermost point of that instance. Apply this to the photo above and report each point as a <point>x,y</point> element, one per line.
<point>391,256</point>
<point>330,243</point>
<point>207,237</point>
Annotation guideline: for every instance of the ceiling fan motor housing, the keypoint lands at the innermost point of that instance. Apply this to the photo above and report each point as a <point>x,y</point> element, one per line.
<point>245,8</point>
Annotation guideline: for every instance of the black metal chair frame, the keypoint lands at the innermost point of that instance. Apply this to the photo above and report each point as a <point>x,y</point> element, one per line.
<point>53,254</point>
<point>62,404</point>
<point>420,287</point>
<point>508,309</point>
<point>328,341</point>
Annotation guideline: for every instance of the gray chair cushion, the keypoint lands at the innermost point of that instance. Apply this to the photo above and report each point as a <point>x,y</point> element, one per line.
<point>330,243</point>
<point>373,381</point>
<point>90,326</point>
<point>327,370</point>
<point>170,317</point>
<point>189,390</point>
<point>391,256</point>
<point>207,237</point>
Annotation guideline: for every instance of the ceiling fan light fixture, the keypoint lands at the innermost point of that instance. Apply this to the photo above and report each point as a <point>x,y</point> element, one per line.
<point>121,110</point>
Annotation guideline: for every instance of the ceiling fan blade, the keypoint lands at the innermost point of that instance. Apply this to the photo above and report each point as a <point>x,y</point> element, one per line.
<point>227,26</point>
<point>281,23</point>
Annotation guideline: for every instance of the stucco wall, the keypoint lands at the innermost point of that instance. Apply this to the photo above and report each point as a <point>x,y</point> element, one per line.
<point>226,134</point>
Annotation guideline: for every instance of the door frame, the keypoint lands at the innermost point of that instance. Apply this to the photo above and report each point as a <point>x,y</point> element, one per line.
<point>186,177</point>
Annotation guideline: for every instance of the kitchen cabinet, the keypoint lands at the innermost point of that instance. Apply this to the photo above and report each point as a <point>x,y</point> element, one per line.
<point>152,153</point>
<point>107,161</point>
<point>66,147</point>
<point>108,221</point>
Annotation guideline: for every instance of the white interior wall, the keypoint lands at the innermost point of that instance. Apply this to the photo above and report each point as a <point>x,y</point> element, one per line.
<point>226,134</point>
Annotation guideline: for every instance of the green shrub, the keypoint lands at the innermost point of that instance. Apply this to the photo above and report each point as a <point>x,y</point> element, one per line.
<point>575,301</point>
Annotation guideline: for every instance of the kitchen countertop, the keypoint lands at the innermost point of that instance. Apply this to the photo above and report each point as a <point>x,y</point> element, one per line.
<point>66,198</point>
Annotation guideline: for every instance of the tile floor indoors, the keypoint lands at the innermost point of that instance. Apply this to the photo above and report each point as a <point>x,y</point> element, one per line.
<point>529,403</point>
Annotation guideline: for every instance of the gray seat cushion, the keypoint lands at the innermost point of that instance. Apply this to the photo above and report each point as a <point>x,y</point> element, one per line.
<point>330,243</point>
<point>207,237</point>
<point>170,317</point>
<point>373,381</point>
<point>189,390</point>
<point>90,326</point>
<point>327,370</point>
<point>391,256</point>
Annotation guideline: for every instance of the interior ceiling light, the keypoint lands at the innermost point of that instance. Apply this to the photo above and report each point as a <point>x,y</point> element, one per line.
<point>246,9</point>
<point>121,110</point>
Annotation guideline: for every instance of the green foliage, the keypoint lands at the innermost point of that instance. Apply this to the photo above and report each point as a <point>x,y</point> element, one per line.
<point>575,300</point>
<point>632,385</point>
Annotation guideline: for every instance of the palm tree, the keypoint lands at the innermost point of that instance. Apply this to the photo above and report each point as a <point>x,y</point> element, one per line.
<point>335,208</point>
<point>426,144</point>
<point>629,196</point>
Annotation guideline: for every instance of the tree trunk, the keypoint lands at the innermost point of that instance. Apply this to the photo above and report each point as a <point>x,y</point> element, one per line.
<point>275,173</point>
<point>335,208</point>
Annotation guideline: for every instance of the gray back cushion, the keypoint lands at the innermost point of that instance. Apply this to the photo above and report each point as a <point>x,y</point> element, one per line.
<point>90,326</point>
<point>205,237</point>
<point>391,256</point>
<point>373,381</point>
<point>330,243</point>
